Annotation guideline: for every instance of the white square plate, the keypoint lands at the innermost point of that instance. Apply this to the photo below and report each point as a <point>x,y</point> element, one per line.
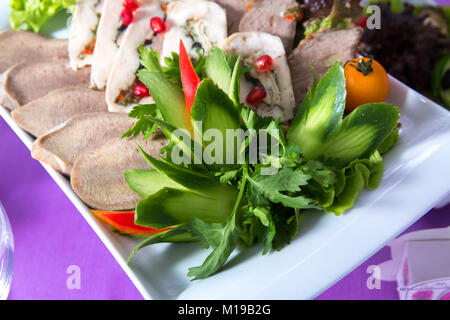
<point>417,176</point>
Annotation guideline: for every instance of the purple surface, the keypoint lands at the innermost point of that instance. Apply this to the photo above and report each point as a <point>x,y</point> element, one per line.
<point>50,235</point>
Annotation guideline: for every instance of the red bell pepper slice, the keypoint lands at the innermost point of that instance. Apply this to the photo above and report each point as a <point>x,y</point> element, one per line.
<point>123,221</point>
<point>189,78</point>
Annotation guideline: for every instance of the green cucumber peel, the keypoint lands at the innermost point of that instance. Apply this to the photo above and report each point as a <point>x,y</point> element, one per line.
<point>321,114</point>
<point>180,138</point>
<point>192,180</point>
<point>176,235</point>
<point>217,68</point>
<point>168,97</point>
<point>171,207</point>
<point>362,132</point>
<point>148,182</point>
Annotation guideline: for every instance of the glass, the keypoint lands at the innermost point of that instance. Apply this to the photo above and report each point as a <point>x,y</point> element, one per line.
<point>6,254</point>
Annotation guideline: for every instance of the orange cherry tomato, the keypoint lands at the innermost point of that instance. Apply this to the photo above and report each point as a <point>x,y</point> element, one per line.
<point>366,82</point>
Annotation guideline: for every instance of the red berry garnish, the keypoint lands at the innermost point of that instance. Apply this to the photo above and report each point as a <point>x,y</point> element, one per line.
<point>361,22</point>
<point>264,63</point>
<point>140,90</point>
<point>130,4</point>
<point>127,16</point>
<point>255,96</point>
<point>157,25</point>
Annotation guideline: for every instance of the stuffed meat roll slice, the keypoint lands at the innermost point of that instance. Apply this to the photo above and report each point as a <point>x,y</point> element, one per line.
<point>200,24</point>
<point>98,176</point>
<point>83,29</point>
<point>268,91</point>
<point>122,80</point>
<point>235,9</point>
<point>114,21</point>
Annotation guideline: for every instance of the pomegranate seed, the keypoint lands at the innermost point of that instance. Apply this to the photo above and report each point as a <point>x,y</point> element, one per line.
<point>127,16</point>
<point>264,63</point>
<point>158,25</point>
<point>140,90</point>
<point>288,125</point>
<point>130,4</point>
<point>255,96</point>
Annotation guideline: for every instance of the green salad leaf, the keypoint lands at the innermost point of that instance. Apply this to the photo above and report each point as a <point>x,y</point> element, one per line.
<point>351,180</point>
<point>32,14</point>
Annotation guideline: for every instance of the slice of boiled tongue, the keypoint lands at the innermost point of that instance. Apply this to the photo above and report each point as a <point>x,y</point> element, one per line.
<point>23,46</point>
<point>28,81</point>
<point>98,176</point>
<point>235,10</point>
<point>321,50</point>
<point>43,114</point>
<point>267,16</point>
<point>61,146</point>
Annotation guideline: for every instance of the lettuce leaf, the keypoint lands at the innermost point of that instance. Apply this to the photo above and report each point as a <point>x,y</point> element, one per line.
<point>351,180</point>
<point>32,14</point>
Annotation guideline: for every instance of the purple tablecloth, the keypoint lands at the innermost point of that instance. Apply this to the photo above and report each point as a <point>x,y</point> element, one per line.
<point>51,235</point>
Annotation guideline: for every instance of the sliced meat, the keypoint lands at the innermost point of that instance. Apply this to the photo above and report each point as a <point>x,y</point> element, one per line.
<point>200,24</point>
<point>122,77</point>
<point>107,43</point>
<point>279,102</point>
<point>83,29</point>
<point>98,176</point>
<point>268,16</point>
<point>60,147</point>
<point>43,114</point>
<point>22,46</point>
<point>235,11</point>
<point>31,80</point>
<point>322,50</point>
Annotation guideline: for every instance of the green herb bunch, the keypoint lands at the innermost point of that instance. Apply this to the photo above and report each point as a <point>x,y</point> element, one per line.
<point>322,161</point>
